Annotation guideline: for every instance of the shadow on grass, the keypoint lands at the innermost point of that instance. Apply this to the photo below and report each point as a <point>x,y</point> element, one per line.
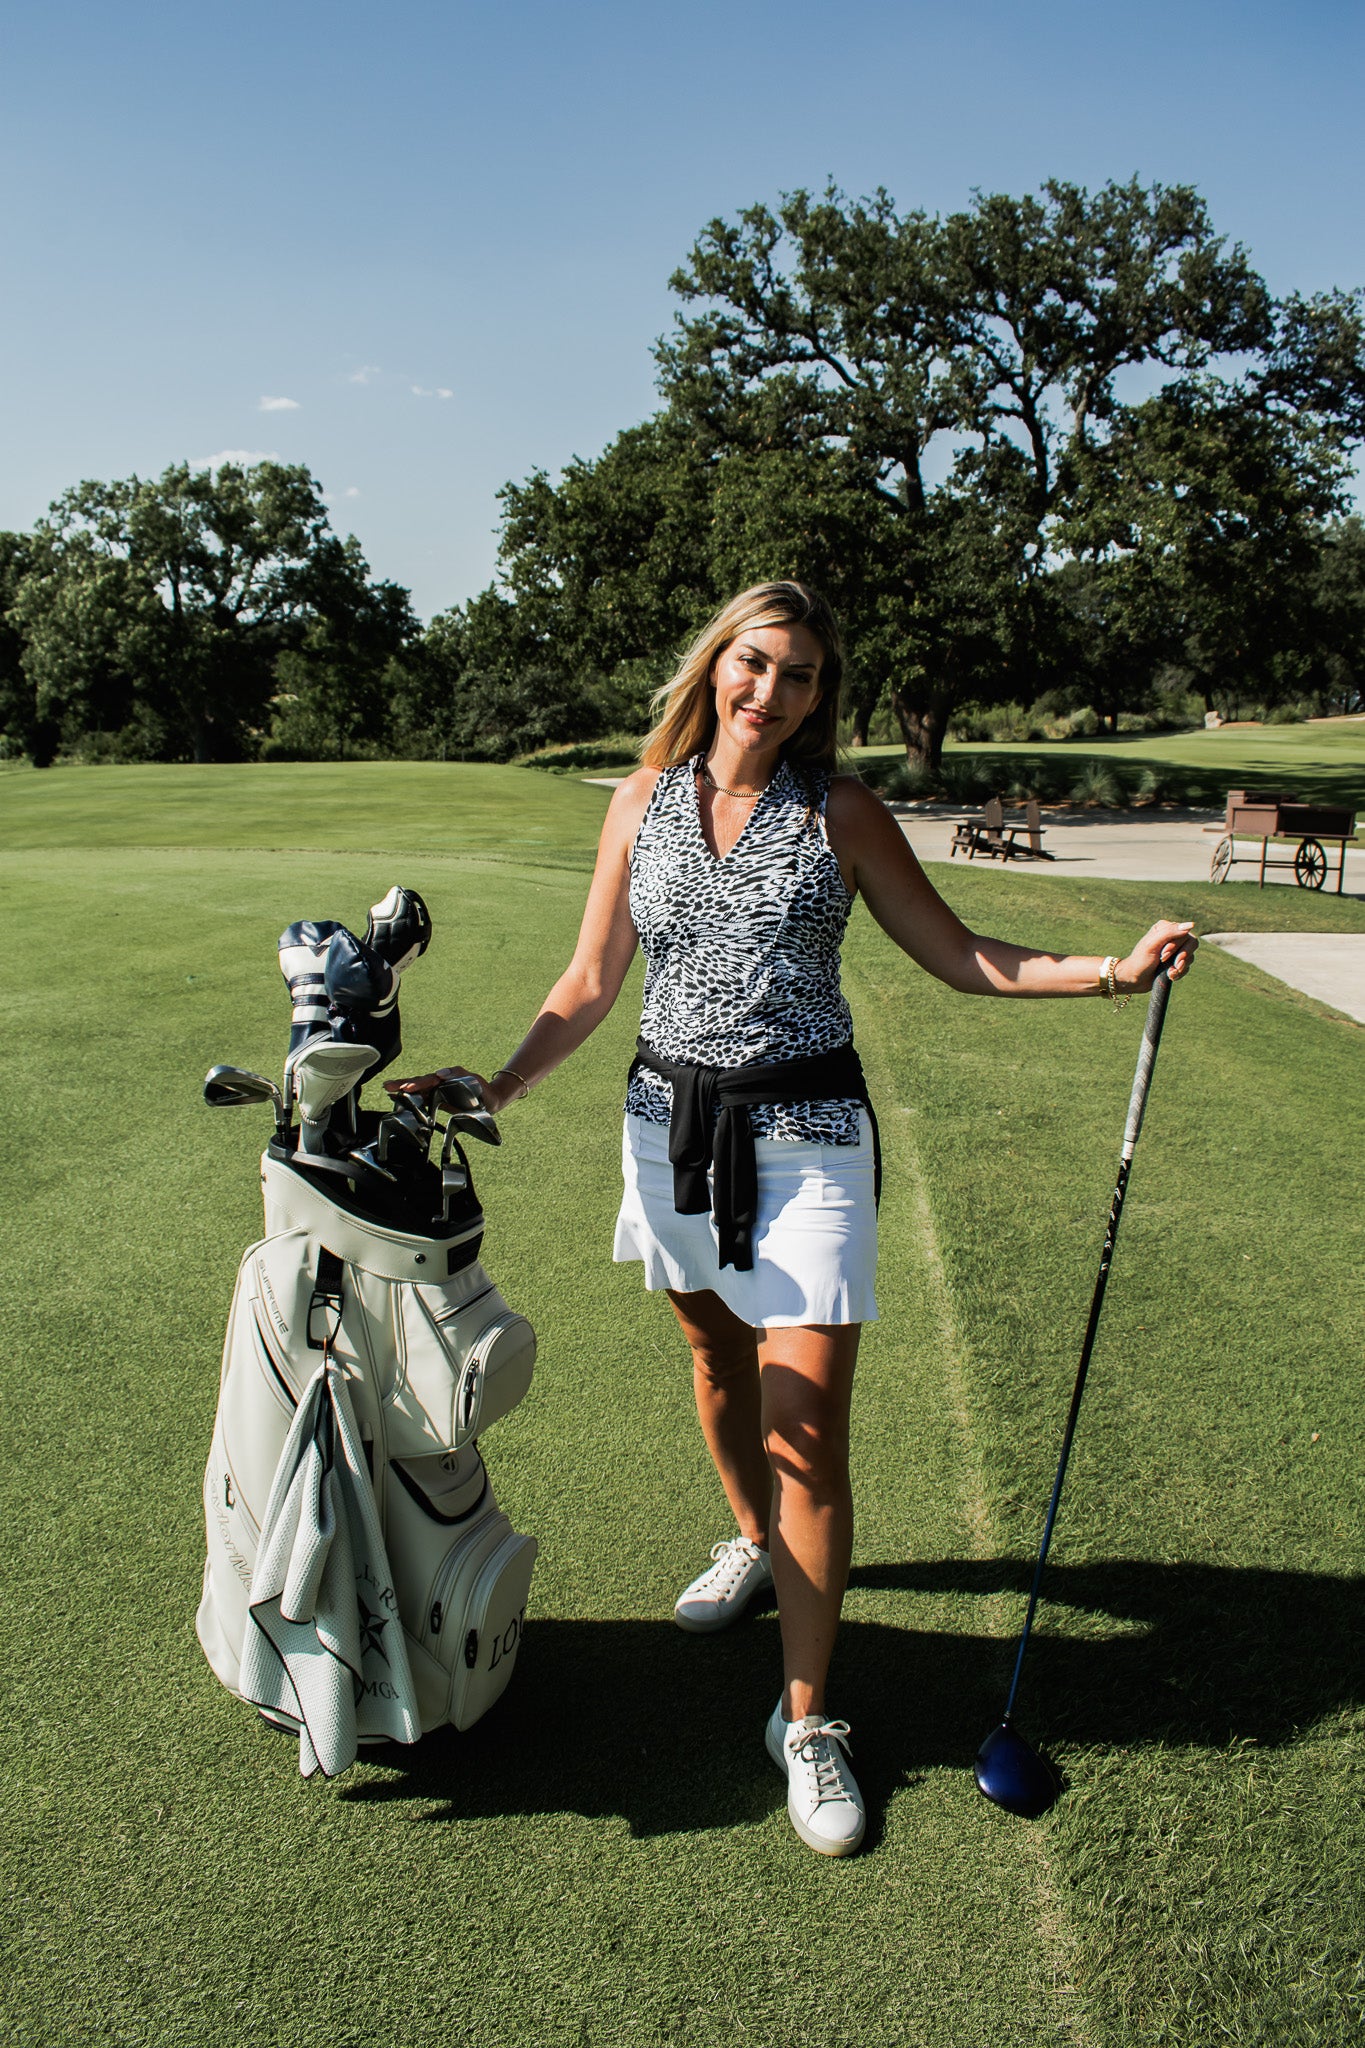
<point>665,1729</point>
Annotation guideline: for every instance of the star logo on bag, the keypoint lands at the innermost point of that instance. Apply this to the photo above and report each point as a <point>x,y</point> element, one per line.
<point>372,1627</point>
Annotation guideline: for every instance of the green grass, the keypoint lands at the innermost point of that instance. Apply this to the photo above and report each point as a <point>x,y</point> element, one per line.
<point>1322,761</point>
<point>358,806</point>
<point>606,1859</point>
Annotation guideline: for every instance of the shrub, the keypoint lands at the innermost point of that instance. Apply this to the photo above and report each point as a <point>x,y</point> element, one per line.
<point>1098,785</point>
<point>618,751</point>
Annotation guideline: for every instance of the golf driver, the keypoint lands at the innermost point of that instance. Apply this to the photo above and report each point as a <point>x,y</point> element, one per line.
<point>236,1087</point>
<point>399,928</point>
<point>1009,1770</point>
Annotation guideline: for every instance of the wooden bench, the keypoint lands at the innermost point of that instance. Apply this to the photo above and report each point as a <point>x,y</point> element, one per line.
<point>991,837</point>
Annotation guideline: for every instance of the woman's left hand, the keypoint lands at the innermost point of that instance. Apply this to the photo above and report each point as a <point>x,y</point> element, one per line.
<point>1167,945</point>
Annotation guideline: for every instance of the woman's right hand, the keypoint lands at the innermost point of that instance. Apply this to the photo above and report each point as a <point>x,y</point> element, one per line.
<point>495,1094</point>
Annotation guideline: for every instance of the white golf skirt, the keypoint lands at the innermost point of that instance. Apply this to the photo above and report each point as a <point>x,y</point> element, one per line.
<point>815,1241</point>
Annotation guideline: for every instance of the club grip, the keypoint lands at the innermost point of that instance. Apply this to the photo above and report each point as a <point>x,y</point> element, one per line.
<point>1151,1039</point>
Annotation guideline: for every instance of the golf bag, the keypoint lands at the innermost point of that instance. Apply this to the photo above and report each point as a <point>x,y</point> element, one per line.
<point>362,1583</point>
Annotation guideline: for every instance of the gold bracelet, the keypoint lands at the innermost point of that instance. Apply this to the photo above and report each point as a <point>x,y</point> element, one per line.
<point>1109,985</point>
<point>525,1084</point>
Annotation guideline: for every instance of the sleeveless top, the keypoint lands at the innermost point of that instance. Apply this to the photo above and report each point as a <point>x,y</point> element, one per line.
<point>742,954</point>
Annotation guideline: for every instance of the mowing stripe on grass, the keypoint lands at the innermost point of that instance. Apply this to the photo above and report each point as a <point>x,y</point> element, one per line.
<point>606,1859</point>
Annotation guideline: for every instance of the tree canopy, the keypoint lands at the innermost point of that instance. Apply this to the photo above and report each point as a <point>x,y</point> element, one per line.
<point>161,611</point>
<point>956,426</point>
<point>1051,448</point>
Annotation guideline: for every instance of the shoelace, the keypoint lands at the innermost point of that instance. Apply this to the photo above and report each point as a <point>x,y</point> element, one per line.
<point>821,1757</point>
<point>732,1560</point>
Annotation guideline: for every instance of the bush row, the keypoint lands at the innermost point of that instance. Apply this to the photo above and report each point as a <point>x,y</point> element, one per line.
<point>972,778</point>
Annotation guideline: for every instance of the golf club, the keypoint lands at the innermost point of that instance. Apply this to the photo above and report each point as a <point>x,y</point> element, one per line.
<point>397,1152</point>
<point>455,1091</point>
<point>325,1072</point>
<point>237,1087</point>
<point>399,928</point>
<point>403,1140</point>
<point>463,1102</point>
<point>1009,1770</point>
<point>454,1177</point>
<point>475,1123</point>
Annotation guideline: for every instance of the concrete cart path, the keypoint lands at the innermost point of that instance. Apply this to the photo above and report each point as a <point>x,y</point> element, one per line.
<point>1160,846</point>
<point>1156,846</point>
<point>1327,965</point>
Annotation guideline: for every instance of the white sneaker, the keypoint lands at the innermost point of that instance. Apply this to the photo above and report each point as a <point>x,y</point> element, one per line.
<point>823,1800</point>
<point>739,1570</point>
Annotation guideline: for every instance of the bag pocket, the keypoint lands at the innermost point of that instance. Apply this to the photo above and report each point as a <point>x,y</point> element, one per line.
<point>478,1615</point>
<point>463,1594</point>
<point>465,1364</point>
<point>495,1376</point>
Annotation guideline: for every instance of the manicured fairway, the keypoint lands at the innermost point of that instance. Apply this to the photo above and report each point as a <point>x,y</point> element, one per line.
<point>1321,761</point>
<point>606,1860</point>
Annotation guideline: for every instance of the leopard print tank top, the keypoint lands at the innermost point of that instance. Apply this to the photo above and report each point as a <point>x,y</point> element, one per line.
<point>742,954</point>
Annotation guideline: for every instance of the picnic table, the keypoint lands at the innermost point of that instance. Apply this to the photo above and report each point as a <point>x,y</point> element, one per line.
<point>989,835</point>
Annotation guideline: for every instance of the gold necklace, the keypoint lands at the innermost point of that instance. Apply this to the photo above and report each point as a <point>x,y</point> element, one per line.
<point>749,795</point>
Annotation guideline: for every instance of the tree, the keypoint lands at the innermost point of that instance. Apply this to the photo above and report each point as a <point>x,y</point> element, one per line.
<point>335,686</point>
<point>1336,647</point>
<point>481,686</point>
<point>22,730</point>
<point>986,350</point>
<point>1203,515</point>
<point>607,568</point>
<point>159,610</point>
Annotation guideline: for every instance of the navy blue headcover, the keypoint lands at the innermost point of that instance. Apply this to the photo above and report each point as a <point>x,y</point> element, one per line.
<point>347,988</point>
<point>362,998</point>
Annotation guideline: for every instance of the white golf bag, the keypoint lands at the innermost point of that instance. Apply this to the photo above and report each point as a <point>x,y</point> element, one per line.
<point>362,1583</point>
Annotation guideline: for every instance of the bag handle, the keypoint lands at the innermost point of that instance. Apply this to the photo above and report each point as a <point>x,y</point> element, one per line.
<point>328,1299</point>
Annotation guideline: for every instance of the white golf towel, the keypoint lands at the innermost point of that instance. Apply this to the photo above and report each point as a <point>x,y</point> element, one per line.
<point>324,1647</point>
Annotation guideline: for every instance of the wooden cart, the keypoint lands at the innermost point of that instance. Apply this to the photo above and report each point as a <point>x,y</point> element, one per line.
<point>1251,815</point>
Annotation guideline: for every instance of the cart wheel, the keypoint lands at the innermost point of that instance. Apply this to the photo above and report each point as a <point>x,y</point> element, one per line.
<point>1310,864</point>
<point>1222,861</point>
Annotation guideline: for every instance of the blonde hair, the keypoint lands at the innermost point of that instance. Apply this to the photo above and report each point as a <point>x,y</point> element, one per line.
<point>686,706</point>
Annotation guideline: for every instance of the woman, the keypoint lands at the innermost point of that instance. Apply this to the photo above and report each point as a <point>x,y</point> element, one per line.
<point>733,856</point>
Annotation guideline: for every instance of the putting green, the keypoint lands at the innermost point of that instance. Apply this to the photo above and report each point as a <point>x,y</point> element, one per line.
<point>606,1859</point>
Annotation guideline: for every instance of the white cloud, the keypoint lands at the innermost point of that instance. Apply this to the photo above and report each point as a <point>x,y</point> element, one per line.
<point>351,491</point>
<point>366,374</point>
<point>243,458</point>
<point>279,405</point>
<point>440,391</point>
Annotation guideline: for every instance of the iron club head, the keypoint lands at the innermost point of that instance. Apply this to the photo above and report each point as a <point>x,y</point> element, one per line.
<point>237,1087</point>
<point>475,1123</point>
<point>402,1143</point>
<point>1010,1772</point>
<point>458,1092</point>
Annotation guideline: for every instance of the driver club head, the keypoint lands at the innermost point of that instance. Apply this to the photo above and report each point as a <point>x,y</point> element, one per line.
<point>238,1087</point>
<point>1011,1773</point>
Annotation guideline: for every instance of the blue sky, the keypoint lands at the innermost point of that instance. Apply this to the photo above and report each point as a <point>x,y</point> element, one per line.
<point>426,248</point>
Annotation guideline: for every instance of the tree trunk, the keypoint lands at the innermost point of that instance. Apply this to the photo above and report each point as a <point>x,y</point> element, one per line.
<point>924,727</point>
<point>862,719</point>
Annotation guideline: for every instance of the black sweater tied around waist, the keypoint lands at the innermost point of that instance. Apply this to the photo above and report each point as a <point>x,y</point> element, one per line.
<point>710,1126</point>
